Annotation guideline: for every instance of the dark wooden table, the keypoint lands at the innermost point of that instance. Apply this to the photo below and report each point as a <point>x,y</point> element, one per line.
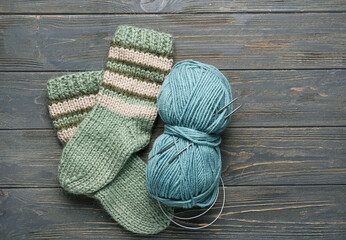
<point>284,153</point>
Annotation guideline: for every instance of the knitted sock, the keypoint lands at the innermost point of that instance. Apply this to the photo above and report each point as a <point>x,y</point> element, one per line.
<point>126,198</point>
<point>121,121</point>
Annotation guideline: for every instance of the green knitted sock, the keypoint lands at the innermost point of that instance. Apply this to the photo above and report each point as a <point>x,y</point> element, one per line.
<point>121,121</point>
<point>126,198</point>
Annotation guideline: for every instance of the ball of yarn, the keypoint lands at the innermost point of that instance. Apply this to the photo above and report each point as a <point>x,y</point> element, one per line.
<point>188,103</point>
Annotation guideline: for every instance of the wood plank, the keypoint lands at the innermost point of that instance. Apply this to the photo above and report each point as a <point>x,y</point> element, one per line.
<point>269,98</point>
<point>305,212</point>
<point>164,6</point>
<point>24,100</point>
<point>228,41</point>
<point>251,156</point>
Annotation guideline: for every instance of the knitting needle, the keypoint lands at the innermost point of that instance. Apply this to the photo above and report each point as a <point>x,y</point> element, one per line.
<point>176,155</point>
<point>227,105</point>
<point>188,227</point>
<point>166,148</point>
<point>232,112</point>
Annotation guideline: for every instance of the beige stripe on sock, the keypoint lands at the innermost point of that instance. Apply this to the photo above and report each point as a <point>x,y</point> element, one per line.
<point>141,58</point>
<point>130,84</point>
<point>126,109</point>
<point>65,134</point>
<point>72,105</point>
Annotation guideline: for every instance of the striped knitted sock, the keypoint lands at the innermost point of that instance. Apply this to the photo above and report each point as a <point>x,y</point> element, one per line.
<point>121,121</point>
<point>126,198</point>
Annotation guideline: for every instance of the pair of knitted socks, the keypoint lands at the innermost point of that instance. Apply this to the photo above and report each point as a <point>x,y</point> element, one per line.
<point>105,117</point>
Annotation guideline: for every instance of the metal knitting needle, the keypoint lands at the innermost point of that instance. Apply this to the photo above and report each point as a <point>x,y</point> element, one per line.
<point>227,105</point>
<point>200,227</point>
<point>224,107</point>
<point>232,112</point>
<point>176,155</point>
<point>166,148</point>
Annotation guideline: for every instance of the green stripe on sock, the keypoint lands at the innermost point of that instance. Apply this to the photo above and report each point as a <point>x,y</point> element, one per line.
<point>73,124</point>
<point>140,49</point>
<point>132,75</point>
<point>79,111</point>
<point>69,121</point>
<point>125,98</point>
<point>129,93</point>
<point>136,72</point>
<point>76,95</point>
<point>138,65</point>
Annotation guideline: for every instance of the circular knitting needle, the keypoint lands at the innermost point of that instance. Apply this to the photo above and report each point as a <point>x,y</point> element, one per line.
<point>227,105</point>
<point>201,214</point>
<point>176,155</point>
<point>166,148</point>
<point>232,112</point>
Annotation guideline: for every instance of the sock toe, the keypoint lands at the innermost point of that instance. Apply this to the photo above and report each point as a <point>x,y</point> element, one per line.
<point>128,202</point>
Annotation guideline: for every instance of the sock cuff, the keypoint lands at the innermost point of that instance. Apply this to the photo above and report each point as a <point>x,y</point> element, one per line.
<point>138,61</point>
<point>144,40</point>
<point>73,85</point>
<point>70,99</point>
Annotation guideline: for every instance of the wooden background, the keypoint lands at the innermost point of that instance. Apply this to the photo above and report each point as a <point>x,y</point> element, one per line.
<point>284,153</point>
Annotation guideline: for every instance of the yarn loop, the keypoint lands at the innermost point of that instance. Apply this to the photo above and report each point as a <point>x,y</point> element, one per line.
<point>193,135</point>
<point>184,165</point>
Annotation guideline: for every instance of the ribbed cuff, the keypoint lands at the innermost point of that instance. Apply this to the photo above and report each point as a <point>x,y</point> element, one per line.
<point>144,40</point>
<point>73,85</point>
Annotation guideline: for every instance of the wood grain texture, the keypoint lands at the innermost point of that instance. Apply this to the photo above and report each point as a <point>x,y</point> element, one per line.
<point>269,98</point>
<point>305,212</point>
<point>168,6</point>
<point>250,156</point>
<point>283,154</point>
<point>228,41</point>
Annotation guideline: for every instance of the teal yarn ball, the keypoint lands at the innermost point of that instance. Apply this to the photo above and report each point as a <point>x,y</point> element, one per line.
<point>188,103</point>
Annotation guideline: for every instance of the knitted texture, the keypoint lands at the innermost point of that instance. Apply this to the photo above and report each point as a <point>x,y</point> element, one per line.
<point>70,98</point>
<point>121,121</point>
<point>126,198</point>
